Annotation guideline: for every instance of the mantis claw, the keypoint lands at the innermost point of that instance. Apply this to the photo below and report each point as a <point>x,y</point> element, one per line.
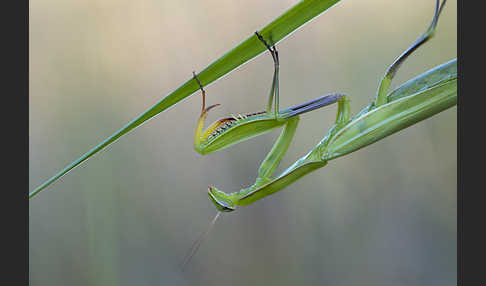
<point>210,107</point>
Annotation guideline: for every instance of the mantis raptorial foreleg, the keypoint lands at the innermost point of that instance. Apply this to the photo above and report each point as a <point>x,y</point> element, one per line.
<point>262,188</point>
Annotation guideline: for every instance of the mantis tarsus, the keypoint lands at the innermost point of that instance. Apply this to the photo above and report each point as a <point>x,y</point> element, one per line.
<point>416,100</point>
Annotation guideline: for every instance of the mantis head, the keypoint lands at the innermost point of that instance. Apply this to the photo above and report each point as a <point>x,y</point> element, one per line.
<point>222,200</point>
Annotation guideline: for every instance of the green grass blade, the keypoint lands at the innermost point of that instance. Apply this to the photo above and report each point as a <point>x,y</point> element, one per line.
<point>280,28</point>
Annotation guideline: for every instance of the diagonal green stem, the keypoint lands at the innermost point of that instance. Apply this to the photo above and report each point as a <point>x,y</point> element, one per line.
<point>280,28</point>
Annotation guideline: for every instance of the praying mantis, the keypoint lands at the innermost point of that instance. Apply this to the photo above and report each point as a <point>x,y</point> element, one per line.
<point>416,100</point>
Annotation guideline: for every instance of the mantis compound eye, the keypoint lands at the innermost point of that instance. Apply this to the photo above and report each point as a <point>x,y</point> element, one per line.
<point>221,200</point>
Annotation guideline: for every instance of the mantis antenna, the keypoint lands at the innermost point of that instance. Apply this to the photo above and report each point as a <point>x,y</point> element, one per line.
<point>197,243</point>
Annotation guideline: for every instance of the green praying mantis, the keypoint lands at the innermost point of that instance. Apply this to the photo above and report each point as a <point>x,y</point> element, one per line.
<point>416,100</point>
<point>419,98</point>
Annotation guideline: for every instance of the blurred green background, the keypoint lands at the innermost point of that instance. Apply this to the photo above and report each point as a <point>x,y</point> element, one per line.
<point>384,215</point>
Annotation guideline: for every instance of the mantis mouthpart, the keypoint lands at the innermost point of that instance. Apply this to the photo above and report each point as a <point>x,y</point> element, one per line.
<point>416,100</point>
